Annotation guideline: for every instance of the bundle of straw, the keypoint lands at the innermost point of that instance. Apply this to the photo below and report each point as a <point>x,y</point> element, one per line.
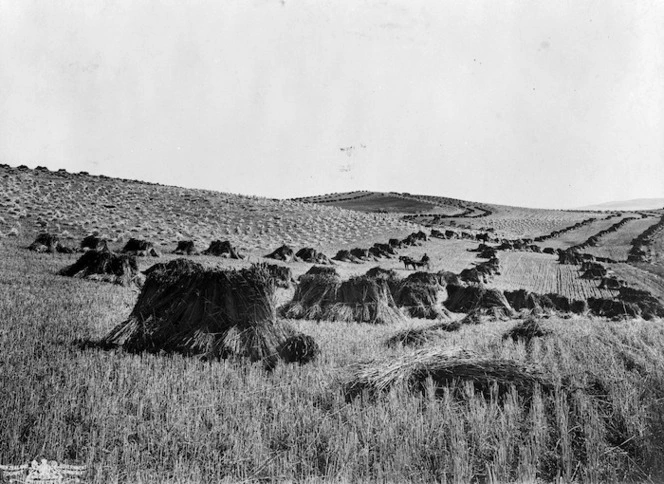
<point>445,367</point>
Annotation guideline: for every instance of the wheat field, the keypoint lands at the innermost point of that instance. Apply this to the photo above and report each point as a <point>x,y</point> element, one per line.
<point>77,205</point>
<point>150,418</point>
<point>616,245</point>
<point>540,273</point>
<point>154,418</point>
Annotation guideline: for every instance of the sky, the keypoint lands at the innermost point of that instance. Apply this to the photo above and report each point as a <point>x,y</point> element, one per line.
<point>531,103</point>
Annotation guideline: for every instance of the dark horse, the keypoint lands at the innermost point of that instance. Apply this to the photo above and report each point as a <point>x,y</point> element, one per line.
<point>408,261</point>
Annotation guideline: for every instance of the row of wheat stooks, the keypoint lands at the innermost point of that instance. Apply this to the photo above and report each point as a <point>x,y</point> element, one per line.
<point>98,263</point>
<point>50,243</point>
<point>186,308</point>
<point>378,297</point>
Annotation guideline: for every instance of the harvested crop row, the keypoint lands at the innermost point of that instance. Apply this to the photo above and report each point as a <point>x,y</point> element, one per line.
<point>558,233</point>
<point>522,222</point>
<point>541,273</point>
<point>642,279</point>
<point>617,245</point>
<point>641,244</point>
<point>593,240</point>
<point>579,236</point>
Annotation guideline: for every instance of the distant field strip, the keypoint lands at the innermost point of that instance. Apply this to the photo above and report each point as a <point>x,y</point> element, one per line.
<point>657,248</point>
<point>580,235</point>
<point>649,245</point>
<point>523,222</point>
<point>616,245</point>
<point>540,273</point>
<point>377,201</point>
<point>465,209</point>
<point>374,202</point>
<point>641,279</point>
<point>508,221</point>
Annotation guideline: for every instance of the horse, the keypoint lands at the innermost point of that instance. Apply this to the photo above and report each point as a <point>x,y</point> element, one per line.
<point>407,261</point>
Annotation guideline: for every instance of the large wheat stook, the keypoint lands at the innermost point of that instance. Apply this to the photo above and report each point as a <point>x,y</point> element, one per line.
<point>214,313</point>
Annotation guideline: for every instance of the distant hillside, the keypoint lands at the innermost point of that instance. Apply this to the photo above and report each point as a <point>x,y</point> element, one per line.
<point>73,205</point>
<point>438,211</point>
<point>636,204</point>
<point>383,202</point>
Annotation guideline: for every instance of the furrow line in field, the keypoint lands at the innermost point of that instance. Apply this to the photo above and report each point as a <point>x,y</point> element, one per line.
<point>546,281</point>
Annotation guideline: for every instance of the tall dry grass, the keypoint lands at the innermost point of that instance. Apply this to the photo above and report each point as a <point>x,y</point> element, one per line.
<point>149,418</point>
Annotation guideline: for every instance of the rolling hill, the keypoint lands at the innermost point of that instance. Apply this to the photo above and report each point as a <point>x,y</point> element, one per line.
<point>636,204</point>
<point>436,211</point>
<point>168,417</point>
<point>75,205</point>
<point>78,204</point>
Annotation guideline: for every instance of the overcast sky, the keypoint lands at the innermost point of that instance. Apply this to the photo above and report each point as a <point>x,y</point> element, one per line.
<point>534,103</point>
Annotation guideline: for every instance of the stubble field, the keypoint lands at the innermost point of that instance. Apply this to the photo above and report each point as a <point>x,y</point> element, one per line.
<point>172,418</point>
<point>616,245</point>
<point>540,273</point>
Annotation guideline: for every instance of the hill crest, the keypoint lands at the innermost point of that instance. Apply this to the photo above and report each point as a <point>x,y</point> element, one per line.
<point>634,204</point>
<point>74,205</point>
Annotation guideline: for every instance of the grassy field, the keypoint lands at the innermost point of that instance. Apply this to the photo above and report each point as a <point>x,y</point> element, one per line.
<point>155,418</point>
<point>173,419</point>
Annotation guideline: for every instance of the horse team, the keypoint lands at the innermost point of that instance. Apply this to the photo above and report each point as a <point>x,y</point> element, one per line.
<point>410,262</point>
